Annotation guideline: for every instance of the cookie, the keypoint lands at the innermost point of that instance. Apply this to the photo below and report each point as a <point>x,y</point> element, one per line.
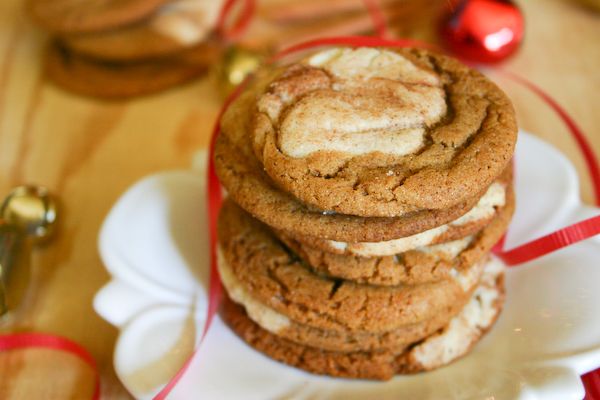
<point>277,323</point>
<point>278,278</point>
<point>121,80</point>
<point>441,348</point>
<point>176,26</point>
<point>79,16</point>
<point>417,266</point>
<point>468,224</point>
<point>379,132</point>
<point>249,186</point>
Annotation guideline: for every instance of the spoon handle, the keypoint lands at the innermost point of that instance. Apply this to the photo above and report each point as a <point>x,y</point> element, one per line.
<point>10,246</point>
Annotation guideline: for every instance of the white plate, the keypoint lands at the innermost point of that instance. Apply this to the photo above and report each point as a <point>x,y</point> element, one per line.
<point>154,245</point>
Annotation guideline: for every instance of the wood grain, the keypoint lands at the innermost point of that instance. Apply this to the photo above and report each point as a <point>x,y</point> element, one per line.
<point>89,152</point>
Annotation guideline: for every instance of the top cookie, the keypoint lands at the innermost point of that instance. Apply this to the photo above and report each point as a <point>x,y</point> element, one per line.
<point>381,133</point>
<point>249,186</point>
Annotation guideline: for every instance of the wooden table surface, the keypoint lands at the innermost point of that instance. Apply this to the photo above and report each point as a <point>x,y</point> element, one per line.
<point>89,152</point>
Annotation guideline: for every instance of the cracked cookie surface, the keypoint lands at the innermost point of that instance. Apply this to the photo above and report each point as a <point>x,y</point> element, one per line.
<point>380,132</point>
<point>441,348</point>
<point>345,341</point>
<point>275,276</point>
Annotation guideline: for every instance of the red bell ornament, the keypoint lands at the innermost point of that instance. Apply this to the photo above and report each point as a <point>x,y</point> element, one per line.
<point>484,31</point>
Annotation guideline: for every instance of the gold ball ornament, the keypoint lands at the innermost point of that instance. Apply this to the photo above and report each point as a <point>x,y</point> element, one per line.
<point>236,64</point>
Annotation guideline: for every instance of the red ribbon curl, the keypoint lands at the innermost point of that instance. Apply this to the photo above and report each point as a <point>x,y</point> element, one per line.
<point>239,26</point>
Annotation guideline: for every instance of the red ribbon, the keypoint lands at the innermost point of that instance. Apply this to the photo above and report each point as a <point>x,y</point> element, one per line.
<point>38,340</point>
<point>552,242</point>
<point>214,200</point>
<point>239,26</point>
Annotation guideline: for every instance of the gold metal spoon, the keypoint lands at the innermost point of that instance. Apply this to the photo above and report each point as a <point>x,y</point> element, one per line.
<point>27,215</point>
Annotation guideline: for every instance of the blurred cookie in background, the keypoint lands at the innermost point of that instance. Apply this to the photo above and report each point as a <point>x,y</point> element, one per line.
<point>176,26</point>
<point>114,80</point>
<point>79,16</point>
<point>122,49</point>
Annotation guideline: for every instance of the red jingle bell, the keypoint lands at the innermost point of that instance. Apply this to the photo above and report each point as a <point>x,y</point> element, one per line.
<point>484,31</point>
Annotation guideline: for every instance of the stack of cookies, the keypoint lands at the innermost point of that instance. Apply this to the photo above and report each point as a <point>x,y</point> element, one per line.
<point>119,49</point>
<point>367,188</point>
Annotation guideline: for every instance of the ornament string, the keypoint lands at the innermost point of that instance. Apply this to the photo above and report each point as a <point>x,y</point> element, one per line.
<point>377,17</point>
<point>240,24</point>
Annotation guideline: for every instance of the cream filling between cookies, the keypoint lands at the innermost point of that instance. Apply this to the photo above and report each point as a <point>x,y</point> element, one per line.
<point>464,329</point>
<point>379,102</point>
<point>263,315</point>
<point>448,249</point>
<point>187,21</point>
<point>485,208</point>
